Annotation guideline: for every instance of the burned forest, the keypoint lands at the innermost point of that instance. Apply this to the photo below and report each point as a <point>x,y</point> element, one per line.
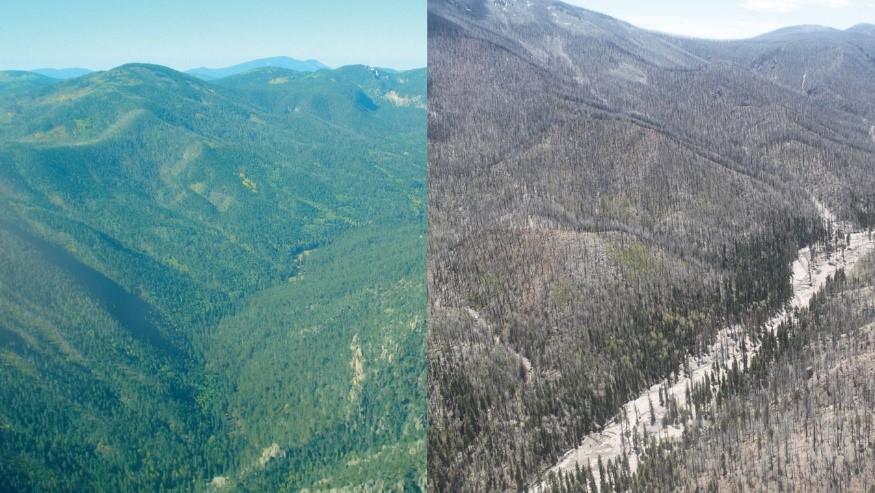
<point>605,203</point>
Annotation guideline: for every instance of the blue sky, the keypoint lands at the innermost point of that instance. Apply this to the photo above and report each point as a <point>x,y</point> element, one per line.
<point>183,34</point>
<point>727,19</point>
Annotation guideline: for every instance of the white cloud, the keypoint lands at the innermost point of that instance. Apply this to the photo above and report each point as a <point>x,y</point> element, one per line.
<point>784,6</point>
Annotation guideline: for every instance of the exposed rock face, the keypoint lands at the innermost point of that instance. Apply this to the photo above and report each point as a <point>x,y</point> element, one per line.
<point>269,454</point>
<point>219,482</point>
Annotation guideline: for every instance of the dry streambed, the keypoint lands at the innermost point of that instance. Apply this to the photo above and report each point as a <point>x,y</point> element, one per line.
<point>643,416</point>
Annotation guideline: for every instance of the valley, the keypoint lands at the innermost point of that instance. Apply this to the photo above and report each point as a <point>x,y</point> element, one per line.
<point>198,273</point>
<point>664,410</point>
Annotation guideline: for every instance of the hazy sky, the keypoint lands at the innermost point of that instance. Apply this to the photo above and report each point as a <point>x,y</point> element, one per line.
<point>733,18</point>
<point>183,34</point>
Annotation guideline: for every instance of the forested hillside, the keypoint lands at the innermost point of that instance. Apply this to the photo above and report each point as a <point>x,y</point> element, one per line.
<point>603,200</point>
<point>797,418</point>
<point>213,285</point>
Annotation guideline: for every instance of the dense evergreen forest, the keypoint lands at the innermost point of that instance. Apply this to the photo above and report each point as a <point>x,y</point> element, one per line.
<point>213,286</point>
<point>603,200</point>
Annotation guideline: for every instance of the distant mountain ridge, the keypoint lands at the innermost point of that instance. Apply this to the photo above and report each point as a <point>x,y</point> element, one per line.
<point>862,29</point>
<point>799,31</point>
<point>279,61</point>
<point>204,73</point>
<point>62,73</point>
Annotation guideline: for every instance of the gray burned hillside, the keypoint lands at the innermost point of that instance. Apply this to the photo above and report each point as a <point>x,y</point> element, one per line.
<point>799,420</point>
<point>604,199</point>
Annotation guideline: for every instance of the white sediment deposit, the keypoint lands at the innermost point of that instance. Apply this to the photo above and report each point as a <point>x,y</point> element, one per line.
<point>810,273</point>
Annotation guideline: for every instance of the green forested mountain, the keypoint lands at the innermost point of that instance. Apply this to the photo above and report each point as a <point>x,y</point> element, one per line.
<point>212,286</point>
<point>603,200</point>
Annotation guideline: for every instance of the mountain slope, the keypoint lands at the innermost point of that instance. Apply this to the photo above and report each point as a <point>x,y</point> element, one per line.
<point>15,84</point>
<point>190,270</point>
<point>827,65</point>
<point>364,95</point>
<point>602,200</point>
